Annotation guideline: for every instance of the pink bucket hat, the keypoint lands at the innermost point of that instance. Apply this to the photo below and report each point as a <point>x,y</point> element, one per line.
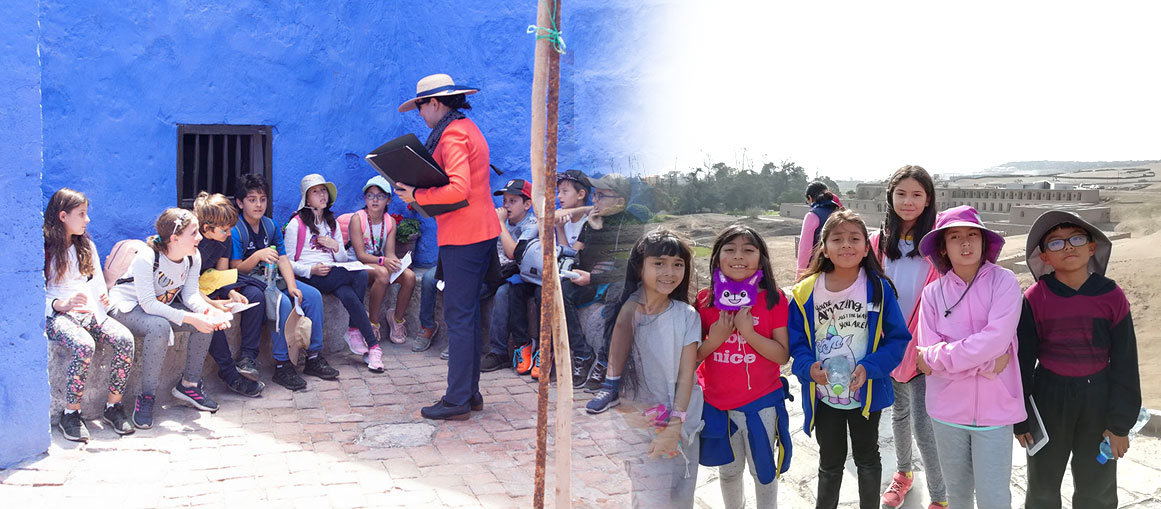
<point>963,215</point>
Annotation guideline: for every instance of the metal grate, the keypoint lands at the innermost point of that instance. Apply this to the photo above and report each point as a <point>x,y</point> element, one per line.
<point>211,157</point>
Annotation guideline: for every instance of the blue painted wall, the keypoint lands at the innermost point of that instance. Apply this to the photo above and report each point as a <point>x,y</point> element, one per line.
<point>118,78</point>
<point>114,79</point>
<point>24,396</point>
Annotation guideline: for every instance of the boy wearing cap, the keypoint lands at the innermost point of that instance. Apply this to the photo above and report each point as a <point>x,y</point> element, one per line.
<point>572,191</point>
<point>519,223</point>
<point>1078,357</point>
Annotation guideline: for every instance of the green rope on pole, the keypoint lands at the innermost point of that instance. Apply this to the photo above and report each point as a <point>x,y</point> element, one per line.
<point>552,34</point>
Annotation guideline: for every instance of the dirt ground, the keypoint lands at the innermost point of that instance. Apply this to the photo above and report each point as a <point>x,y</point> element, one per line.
<point>1135,264</point>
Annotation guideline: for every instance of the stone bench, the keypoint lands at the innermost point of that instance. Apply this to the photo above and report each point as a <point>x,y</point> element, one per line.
<point>334,343</point>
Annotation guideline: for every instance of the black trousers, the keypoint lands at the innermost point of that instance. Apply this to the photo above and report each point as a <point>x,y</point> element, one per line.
<point>830,431</point>
<point>1074,410</point>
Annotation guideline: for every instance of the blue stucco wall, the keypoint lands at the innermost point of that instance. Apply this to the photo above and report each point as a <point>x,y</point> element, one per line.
<point>119,76</point>
<point>24,396</point>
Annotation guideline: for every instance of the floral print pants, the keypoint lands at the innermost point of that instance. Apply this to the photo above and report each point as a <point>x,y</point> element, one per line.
<point>80,333</point>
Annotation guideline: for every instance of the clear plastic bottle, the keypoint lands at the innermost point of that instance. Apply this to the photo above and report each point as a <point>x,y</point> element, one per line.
<point>1106,452</point>
<point>838,372</point>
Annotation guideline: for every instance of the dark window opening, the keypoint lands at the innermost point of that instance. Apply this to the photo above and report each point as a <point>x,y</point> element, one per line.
<point>211,157</point>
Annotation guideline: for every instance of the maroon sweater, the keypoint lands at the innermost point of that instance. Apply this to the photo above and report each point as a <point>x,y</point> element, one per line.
<point>1079,333</point>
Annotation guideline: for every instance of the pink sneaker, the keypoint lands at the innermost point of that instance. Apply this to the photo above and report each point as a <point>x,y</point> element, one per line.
<point>937,505</point>
<point>900,485</point>
<point>398,331</point>
<point>375,359</point>
<point>356,342</point>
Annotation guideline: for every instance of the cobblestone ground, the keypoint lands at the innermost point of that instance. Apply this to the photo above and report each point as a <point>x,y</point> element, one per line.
<point>309,449</point>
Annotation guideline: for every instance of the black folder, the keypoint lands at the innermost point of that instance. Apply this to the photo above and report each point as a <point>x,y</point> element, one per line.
<point>405,160</point>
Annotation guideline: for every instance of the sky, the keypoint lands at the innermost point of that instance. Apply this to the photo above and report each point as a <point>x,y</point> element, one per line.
<point>858,89</point>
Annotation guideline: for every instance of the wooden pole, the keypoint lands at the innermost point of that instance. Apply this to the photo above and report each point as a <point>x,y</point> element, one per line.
<point>551,297</point>
<point>538,167</point>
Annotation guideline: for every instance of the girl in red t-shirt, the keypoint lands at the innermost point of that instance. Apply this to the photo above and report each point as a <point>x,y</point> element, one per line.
<point>744,412</point>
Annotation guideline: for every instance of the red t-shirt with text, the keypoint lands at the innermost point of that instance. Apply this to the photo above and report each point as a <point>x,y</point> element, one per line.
<point>723,375</point>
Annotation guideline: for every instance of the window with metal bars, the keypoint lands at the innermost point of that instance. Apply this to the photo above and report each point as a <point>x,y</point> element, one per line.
<point>211,157</point>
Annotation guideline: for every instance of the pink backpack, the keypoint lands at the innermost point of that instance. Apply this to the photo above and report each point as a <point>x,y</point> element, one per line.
<point>119,259</point>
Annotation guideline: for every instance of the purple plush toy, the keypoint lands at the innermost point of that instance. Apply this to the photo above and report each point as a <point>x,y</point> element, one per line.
<point>734,295</point>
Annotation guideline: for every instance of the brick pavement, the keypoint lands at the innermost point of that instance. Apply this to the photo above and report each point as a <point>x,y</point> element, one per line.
<point>303,450</point>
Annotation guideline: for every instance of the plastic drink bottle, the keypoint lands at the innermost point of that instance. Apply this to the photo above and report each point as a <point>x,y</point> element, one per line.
<point>838,373</point>
<point>1106,452</point>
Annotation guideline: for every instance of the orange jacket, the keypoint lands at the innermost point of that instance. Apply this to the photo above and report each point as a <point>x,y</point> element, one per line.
<point>462,152</point>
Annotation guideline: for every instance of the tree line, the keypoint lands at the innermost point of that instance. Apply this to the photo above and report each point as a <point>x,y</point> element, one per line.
<point>722,188</point>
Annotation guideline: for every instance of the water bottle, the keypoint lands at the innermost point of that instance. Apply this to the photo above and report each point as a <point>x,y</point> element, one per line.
<point>1106,452</point>
<point>271,269</point>
<point>838,372</point>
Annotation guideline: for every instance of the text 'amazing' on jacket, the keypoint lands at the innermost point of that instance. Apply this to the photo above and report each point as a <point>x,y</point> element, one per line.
<point>887,340</point>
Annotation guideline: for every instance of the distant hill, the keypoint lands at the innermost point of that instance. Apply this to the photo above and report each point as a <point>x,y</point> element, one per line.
<point>1042,167</point>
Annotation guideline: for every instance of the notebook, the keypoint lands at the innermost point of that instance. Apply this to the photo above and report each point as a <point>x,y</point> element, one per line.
<point>405,160</point>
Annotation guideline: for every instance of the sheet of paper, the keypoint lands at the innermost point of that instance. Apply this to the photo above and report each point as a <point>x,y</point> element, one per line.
<point>403,264</point>
<point>238,307</point>
<point>354,265</point>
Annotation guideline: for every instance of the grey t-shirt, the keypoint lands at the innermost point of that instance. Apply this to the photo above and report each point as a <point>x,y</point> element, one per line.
<point>657,343</point>
<point>525,229</point>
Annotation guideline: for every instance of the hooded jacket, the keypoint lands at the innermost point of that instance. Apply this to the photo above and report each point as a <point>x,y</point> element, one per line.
<point>1082,333</point>
<point>888,336</point>
<point>962,342</point>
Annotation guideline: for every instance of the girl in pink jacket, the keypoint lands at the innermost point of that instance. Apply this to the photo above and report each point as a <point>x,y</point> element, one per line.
<point>967,340</point>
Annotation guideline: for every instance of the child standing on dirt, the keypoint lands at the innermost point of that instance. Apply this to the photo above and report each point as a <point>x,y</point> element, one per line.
<point>910,215</point>
<point>967,345</point>
<point>744,414</point>
<point>1078,355</point>
<point>75,304</point>
<point>846,335</point>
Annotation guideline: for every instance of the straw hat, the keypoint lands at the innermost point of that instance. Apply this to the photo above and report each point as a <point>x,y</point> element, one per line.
<point>312,180</point>
<point>435,85</point>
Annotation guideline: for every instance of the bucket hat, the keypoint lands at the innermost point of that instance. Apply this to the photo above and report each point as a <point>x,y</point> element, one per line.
<point>312,180</point>
<point>436,85</point>
<point>963,215</point>
<point>1048,220</point>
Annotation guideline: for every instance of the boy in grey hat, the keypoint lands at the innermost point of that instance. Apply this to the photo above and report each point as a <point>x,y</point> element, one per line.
<point>1078,360</point>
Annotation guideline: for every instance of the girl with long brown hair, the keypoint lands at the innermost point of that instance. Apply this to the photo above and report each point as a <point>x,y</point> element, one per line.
<point>75,311</point>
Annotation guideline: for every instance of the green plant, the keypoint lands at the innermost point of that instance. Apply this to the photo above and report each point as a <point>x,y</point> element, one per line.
<point>407,230</point>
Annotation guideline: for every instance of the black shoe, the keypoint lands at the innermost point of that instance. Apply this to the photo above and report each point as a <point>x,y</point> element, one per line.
<point>195,396</point>
<point>246,387</point>
<point>580,370</point>
<point>596,377</point>
<point>143,412</point>
<point>477,402</point>
<point>115,416</point>
<point>317,366</point>
<point>73,427</point>
<point>286,376</point>
<point>493,361</point>
<point>247,368</point>
<point>441,410</point>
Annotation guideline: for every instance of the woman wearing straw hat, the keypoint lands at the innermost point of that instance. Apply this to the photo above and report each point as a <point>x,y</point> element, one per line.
<point>466,236</point>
